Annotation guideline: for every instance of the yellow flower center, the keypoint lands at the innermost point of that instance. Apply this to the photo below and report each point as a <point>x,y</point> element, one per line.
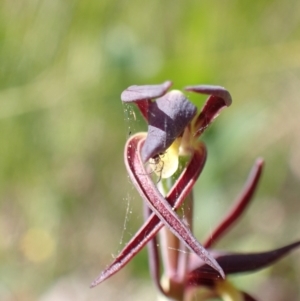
<point>228,292</point>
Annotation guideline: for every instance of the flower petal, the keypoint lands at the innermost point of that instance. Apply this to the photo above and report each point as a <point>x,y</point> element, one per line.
<point>138,93</point>
<point>167,118</point>
<point>142,95</point>
<point>219,99</point>
<point>175,197</point>
<point>238,263</point>
<point>239,205</point>
<point>217,91</point>
<point>159,205</point>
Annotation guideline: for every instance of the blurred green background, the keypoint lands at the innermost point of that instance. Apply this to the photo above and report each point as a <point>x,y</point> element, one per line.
<point>66,204</point>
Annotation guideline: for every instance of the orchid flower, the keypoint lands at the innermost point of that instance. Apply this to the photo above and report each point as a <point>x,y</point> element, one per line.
<point>164,165</point>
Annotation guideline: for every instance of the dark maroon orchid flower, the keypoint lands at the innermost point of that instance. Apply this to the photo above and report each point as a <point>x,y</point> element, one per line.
<point>171,150</point>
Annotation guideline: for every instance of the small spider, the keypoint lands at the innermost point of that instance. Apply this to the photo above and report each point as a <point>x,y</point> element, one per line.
<point>158,165</point>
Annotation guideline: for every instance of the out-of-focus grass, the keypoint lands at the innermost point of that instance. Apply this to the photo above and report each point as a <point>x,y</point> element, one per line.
<point>64,192</point>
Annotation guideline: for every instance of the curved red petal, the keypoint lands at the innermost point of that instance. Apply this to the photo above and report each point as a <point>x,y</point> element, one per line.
<point>239,263</point>
<point>159,205</point>
<point>142,95</point>
<point>219,99</point>
<point>175,197</point>
<point>239,206</point>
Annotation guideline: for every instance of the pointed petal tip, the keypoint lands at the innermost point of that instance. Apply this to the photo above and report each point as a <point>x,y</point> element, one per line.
<point>97,281</point>
<point>167,84</point>
<point>260,161</point>
<point>107,273</point>
<point>220,271</point>
<point>210,260</point>
<point>104,275</point>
